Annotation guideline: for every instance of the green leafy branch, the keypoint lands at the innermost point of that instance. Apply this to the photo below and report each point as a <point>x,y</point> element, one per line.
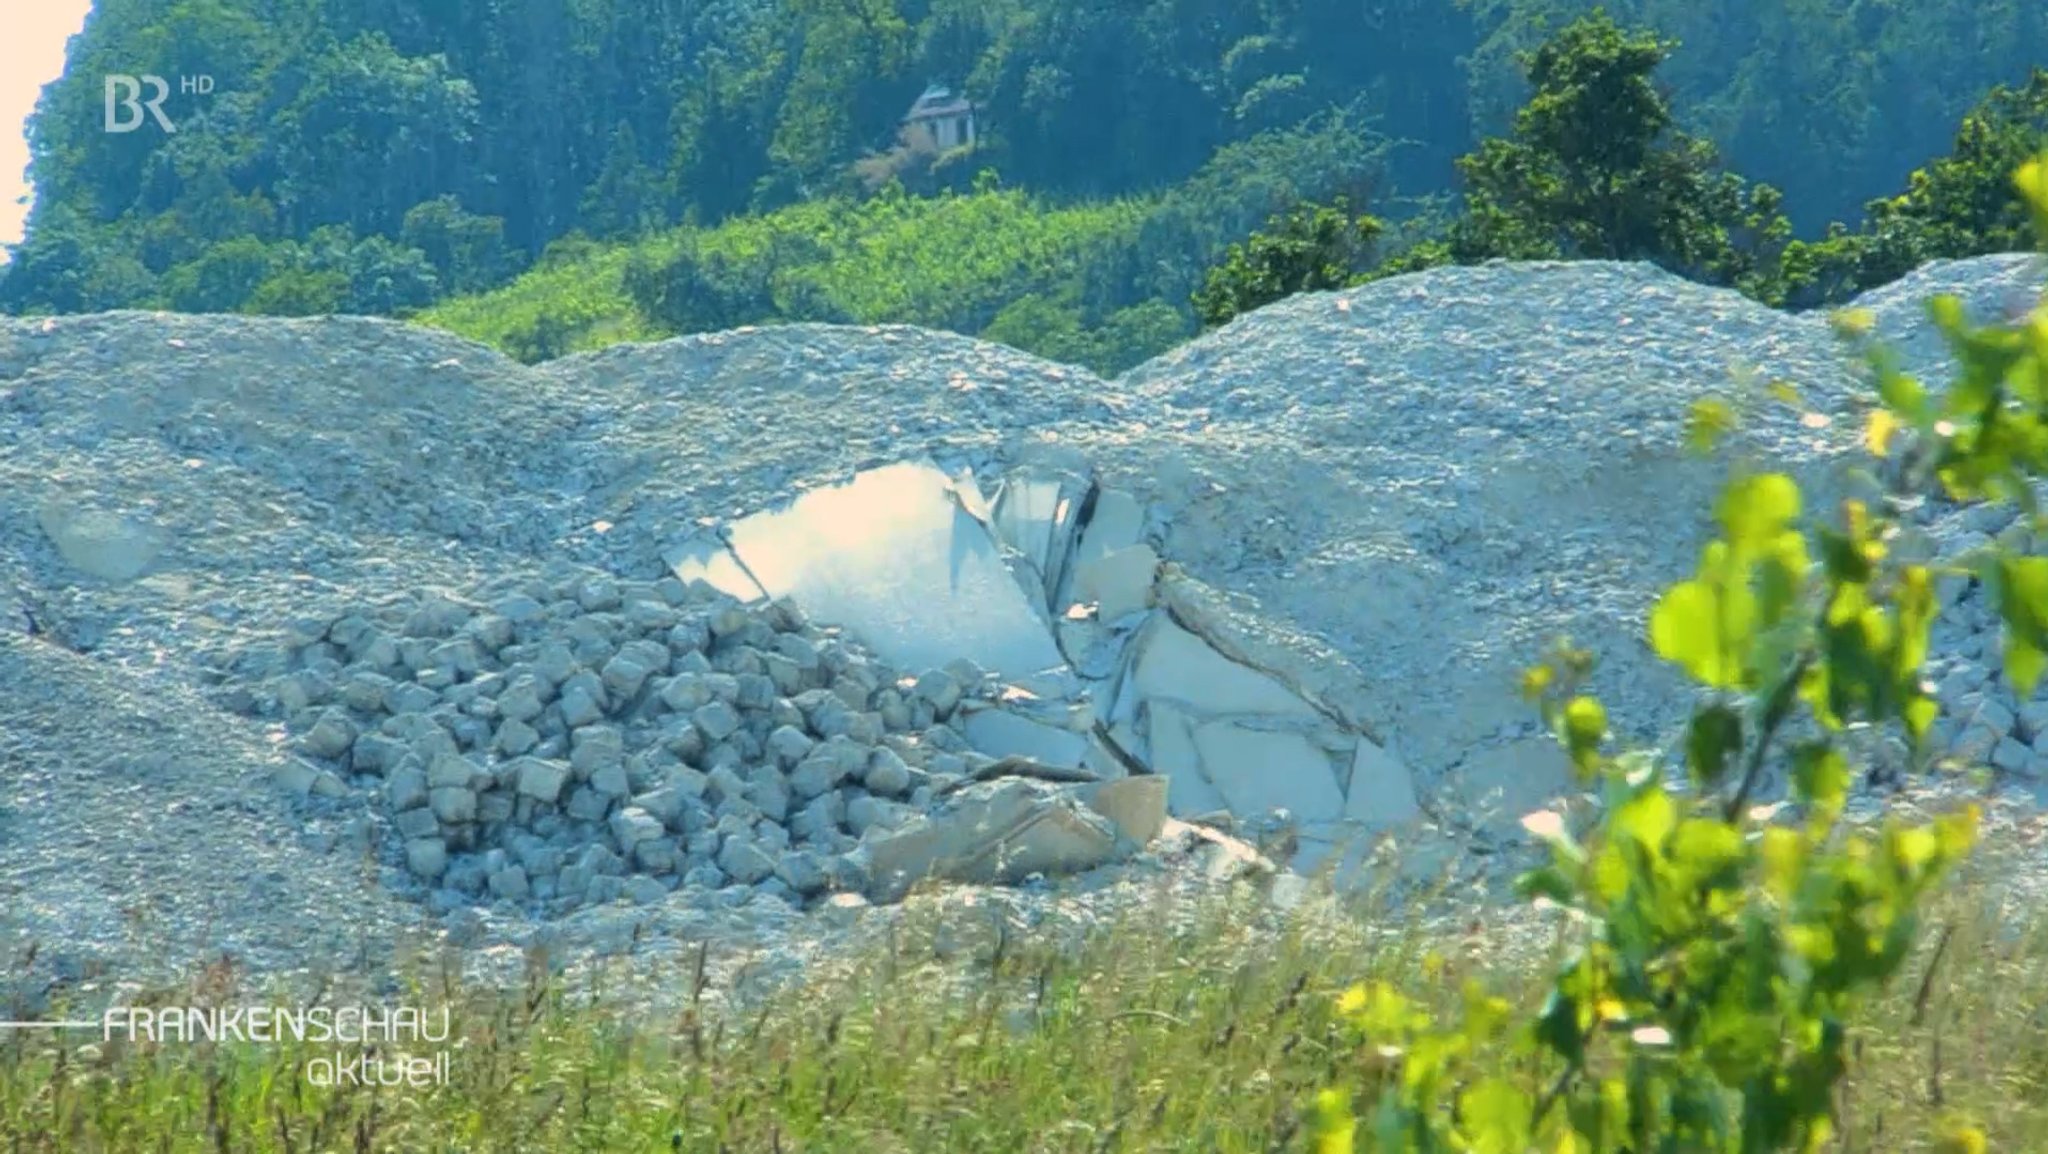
<point>1720,955</point>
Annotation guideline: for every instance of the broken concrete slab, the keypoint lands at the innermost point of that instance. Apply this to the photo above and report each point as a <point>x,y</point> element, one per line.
<point>894,557</point>
<point>1301,662</point>
<point>1049,584</point>
<point>1175,665</point>
<point>1381,790</point>
<point>994,833</point>
<point>1116,522</point>
<point>1258,772</point>
<point>1136,805</point>
<point>1027,517</point>
<point>1119,583</point>
<point>1171,745</point>
<point>1112,752</point>
<point>1504,782</point>
<point>1000,732</point>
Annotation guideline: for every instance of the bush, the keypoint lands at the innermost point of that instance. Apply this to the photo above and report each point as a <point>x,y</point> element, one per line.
<point>1720,958</point>
<point>1309,248</point>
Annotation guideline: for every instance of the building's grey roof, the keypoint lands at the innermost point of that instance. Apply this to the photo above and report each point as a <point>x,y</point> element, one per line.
<point>938,101</point>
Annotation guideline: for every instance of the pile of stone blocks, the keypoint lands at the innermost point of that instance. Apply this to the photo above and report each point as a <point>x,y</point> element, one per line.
<point>572,742</point>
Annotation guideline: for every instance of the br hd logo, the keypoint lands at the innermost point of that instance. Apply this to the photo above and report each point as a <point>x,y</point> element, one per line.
<point>124,97</point>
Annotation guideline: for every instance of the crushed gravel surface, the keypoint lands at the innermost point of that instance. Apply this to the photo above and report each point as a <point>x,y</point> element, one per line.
<point>1431,477</point>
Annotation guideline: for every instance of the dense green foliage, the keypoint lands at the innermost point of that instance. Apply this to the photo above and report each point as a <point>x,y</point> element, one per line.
<point>1720,955</point>
<point>334,125</point>
<point>1101,283</point>
<point>1310,248</point>
<point>1594,167</point>
<point>1831,101</point>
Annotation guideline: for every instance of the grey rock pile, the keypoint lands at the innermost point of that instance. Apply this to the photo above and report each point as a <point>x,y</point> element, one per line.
<point>567,742</point>
<point>1985,721</point>
<point>1431,478</point>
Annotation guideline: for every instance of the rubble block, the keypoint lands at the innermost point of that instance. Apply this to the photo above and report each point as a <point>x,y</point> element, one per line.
<point>1172,748</point>
<point>105,545</point>
<point>1173,664</point>
<point>1226,856</point>
<point>895,557</point>
<point>1505,782</point>
<point>1118,523</point>
<point>1135,805</point>
<point>1119,583</point>
<point>1258,772</point>
<point>1094,650</point>
<point>1381,790</point>
<point>995,833</point>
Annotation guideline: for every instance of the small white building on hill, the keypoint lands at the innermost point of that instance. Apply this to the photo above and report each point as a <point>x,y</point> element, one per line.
<point>947,116</point>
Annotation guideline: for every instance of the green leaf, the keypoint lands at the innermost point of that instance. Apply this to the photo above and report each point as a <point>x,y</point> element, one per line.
<point>1756,509</point>
<point>1959,1139</point>
<point>1711,744</point>
<point>2023,602</point>
<point>1546,882</point>
<point>1647,818</point>
<point>1917,610</point>
<point>1499,1117</point>
<point>1854,322</point>
<point>1685,629</point>
<point>1558,1027</point>
<point>1782,853</point>
<point>1333,1128</point>
<point>1844,557</point>
<point>1585,726</point>
<point>1955,833</point>
<point>2024,665</point>
<point>1919,714</point>
<point>1820,778</point>
<point>2032,182</point>
<point>1878,431</point>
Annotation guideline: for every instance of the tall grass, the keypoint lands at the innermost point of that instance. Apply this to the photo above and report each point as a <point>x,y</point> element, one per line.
<point>1164,1028</point>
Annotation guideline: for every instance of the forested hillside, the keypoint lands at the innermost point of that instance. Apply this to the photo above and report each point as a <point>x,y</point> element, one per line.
<point>382,155</point>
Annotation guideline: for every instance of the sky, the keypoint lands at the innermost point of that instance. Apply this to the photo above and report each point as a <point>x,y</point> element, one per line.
<point>31,55</point>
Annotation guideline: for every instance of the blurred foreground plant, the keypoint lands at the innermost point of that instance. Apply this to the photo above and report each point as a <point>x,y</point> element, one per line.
<point>1719,954</point>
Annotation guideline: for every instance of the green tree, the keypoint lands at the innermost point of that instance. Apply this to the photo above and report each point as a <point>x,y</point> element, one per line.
<point>368,134</point>
<point>222,279</point>
<point>1309,248</point>
<point>1594,169</point>
<point>299,292</point>
<point>626,199</point>
<point>468,251</point>
<point>68,265</point>
<point>700,288</point>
